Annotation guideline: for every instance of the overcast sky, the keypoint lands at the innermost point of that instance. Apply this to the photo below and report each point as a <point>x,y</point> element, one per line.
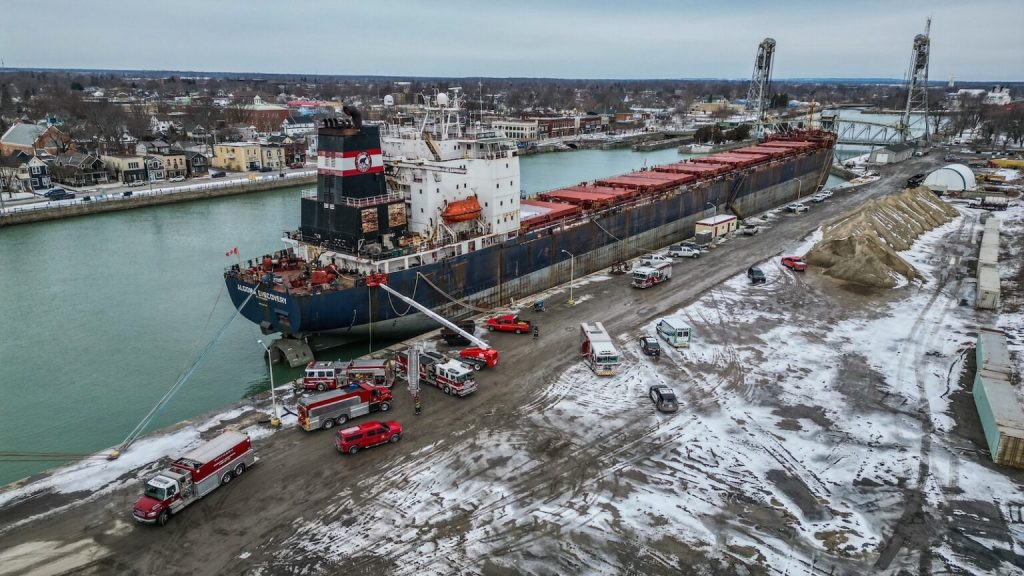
<point>971,40</point>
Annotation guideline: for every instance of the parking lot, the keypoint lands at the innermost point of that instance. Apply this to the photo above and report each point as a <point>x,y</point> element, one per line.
<point>819,432</point>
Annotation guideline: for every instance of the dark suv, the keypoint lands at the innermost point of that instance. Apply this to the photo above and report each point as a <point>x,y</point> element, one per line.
<point>915,180</point>
<point>755,275</point>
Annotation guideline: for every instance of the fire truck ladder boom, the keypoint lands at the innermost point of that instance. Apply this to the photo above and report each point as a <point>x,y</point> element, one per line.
<point>440,319</point>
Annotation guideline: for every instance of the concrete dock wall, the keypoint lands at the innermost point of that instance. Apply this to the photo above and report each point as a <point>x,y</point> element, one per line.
<point>28,214</point>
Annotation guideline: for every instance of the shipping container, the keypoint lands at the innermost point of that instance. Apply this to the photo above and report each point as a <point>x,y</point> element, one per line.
<point>1002,418</point>
<point>988,288</point>
<point>992,353</point>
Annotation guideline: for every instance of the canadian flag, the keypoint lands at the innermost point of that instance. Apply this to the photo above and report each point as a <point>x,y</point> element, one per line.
<point>232,252</point>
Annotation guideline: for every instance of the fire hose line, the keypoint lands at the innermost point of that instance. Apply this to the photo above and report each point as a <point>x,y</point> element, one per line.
<point>141,426</point>
<point>47,456</point>
<point>457,301</point>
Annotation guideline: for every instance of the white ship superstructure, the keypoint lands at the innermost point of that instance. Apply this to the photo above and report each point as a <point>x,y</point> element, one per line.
<point>458,183</point>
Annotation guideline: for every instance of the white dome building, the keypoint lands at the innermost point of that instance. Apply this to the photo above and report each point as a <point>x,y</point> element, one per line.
<point>951,178</point>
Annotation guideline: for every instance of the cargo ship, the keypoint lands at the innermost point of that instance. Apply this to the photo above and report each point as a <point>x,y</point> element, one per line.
<point>435,211</point>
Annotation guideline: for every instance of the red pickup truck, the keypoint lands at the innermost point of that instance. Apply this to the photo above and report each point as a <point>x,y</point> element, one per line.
<point>508,323</point>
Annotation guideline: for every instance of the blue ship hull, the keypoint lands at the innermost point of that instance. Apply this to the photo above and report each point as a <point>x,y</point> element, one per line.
<point>527,263</point>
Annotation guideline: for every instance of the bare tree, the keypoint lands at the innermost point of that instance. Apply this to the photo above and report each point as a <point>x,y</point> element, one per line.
<point>9,174</point>
<point>137,120</point>
<point>238,113</point>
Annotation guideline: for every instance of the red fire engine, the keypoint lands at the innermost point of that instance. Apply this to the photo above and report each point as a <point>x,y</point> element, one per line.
<point>326,409</point>
<point>451,376</point>
<point>328,375</point>
<point>194,475</point>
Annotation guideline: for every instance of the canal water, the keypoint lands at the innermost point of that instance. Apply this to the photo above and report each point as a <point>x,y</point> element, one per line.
<point>101,314</point>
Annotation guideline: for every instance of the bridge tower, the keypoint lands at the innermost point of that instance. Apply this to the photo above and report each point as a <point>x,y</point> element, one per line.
<point>917,86</point>
<point>761,82</point>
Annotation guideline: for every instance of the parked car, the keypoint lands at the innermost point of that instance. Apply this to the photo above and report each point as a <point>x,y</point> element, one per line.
<point>649,345</point>
<point>216,174</point>
<point>137,183</point>
<point>796,208</point>
<point>55,193</point>
<point>664,398</point>
<point>176,179</point>
<point>294,165</point>
<point>750,229</point>
<point>680,251</point>
<point>819,197</point>
<point>652,259</point>
<point>915,180</point>
<point>794,263</point>
<point>367,435</point>
<point>756,275</point>
<point>266,169</point>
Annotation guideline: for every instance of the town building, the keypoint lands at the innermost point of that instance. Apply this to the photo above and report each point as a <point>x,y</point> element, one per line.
<point>175,164</point>
<point>891,154</point>
<point>520,130</point>
<point>28,138</point>
<point>237,156</point>
<point>298,125</point>
<point>126,168</point>
<point>294,148</point>
<point>265,117</point>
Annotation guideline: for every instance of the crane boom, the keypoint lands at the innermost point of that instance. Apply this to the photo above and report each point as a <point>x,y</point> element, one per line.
<point>380,281</point>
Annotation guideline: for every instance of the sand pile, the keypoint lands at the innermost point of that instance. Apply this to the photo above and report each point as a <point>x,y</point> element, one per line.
<point>862,246</point>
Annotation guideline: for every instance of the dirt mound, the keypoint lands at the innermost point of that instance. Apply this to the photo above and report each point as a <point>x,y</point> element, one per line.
<point>861,247</point>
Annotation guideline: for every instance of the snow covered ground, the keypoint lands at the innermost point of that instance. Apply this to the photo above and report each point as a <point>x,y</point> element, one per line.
<point>816,436</point>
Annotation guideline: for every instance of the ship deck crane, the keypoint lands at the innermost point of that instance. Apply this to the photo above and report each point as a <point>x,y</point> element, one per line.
<point>380,280</point>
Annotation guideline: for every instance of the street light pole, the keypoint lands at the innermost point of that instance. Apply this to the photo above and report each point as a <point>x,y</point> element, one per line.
<point>275,420</point>
<point>572,275</point>
<point>714,210</point>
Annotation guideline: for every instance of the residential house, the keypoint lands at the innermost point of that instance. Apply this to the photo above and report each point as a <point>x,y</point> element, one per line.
<point>294,148</point>
<point>245,132</point>
<point>175,164</point>
<point>145,147</point>
<point>272,156</point>
<point>197,133</point>
<point>34,174</point>
<point>167,123</point>
<point>237,156</point>
<point>31,137</point>
<point>196,163</point>
<point>126,168</point>
<point>76,169</point>
<point>155,168</point>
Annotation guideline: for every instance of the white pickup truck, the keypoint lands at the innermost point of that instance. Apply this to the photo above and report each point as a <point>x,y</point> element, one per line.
<point>681,251</point>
